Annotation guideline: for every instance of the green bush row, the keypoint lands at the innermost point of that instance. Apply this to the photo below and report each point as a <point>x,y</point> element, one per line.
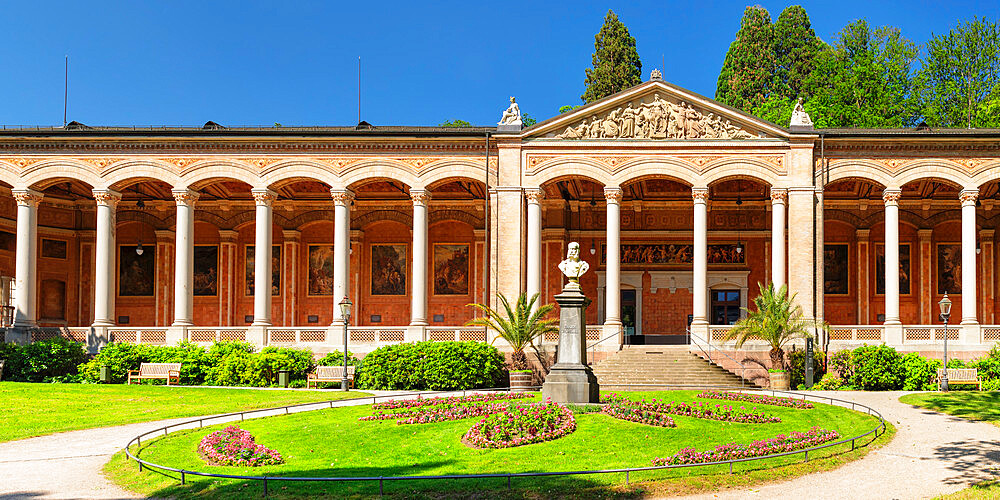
<point>431,365</point>
<point>882,368</point>
<point>50,360</point>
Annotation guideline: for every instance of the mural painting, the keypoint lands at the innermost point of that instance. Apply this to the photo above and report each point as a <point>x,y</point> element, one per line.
<point>136,273</point>
<point>949,268</point>
<point>904,269</point>
<point>206,271</point>
<point>675,254</point>
<point>835,269</point>
<point>275,270</point>
<point>388,270</point>
<point>451,269</point>
<point>320,269</point>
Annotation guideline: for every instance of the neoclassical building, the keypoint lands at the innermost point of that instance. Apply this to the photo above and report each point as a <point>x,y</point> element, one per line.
<point>682,206</point>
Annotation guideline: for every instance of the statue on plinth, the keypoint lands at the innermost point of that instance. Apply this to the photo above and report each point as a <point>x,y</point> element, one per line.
<point>512,115</point>
<point>570,380</point>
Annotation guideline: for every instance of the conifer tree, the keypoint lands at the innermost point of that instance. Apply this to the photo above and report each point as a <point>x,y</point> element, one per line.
<point>616,61</point>
<point>795,48</point>
<point>747,74</point>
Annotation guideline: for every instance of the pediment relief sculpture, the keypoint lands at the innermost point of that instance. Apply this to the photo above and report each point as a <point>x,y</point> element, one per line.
<point>657,119</point>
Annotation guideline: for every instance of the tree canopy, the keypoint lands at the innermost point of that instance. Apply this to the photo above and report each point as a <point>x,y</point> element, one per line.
<point>616,64</point>
<point>748,72</point>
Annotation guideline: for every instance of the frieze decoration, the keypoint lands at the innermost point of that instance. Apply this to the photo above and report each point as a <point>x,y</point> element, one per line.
<point>896,164</point>
<point>658,119</point>
<point>698,161</point>
<point>674,254</point>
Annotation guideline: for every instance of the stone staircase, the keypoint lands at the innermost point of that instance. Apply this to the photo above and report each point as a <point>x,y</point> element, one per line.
<point>646,367</point>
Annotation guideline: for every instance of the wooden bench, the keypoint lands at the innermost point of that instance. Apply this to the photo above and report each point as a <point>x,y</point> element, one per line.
<point>327,374</point>
<point>958,376</point>
<point>165,371</point>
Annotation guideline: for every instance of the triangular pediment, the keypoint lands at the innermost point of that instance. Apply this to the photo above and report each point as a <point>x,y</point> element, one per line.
<point>655,110</point>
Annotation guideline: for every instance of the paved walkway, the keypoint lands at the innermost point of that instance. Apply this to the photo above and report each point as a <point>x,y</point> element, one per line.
<point>932,454</point>
<point>68,465</point>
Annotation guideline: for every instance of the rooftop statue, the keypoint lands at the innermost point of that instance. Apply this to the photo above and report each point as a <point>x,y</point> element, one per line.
<point>512,115</point>
<point>572,267</point>
<point>799,116</point>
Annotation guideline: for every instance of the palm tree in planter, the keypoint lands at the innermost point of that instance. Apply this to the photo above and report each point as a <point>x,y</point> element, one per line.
<point>518,326</point>
<point>777,320</point>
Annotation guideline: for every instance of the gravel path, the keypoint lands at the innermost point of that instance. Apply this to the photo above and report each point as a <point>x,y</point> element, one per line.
<point>932,454</point>
<point>68,464</point>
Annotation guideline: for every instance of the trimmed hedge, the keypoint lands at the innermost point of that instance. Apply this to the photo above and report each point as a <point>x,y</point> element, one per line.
<point>52,360</point>
<point>431,365</point>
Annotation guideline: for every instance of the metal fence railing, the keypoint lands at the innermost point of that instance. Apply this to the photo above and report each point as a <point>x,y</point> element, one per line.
<point>165,430</point>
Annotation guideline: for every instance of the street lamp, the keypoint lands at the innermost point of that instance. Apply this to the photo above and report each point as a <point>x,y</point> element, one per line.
<point>345,314</point>
<point>945,306</point>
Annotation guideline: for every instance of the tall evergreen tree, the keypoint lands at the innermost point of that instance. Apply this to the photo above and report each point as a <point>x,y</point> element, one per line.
<point>795,49</point>
<point>959,75</point>
<point>747,74</point>
<point>865,81</point>
<point>616,61</point>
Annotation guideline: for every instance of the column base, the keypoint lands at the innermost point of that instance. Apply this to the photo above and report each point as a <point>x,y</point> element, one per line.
<point>177,333</point>
<point>611,328</point>
<point>567,383</point>
<point>262,323</point>
<point>415,333</point>
<point>699,332</point>
<point>892,333</point>
<point>970,334</point>
<point>99,337</point>
<point>17,335</point>
<point>257,335</point>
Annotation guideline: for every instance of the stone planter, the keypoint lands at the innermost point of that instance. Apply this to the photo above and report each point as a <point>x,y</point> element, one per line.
<point>779,380</point>
<point>521,381</point>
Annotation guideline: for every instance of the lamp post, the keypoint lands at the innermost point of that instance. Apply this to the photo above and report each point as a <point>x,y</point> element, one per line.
<point>945,306</point>
<point>345,314</point>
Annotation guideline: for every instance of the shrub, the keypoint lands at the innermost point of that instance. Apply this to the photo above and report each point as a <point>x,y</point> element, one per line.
<point>829,382</point>
<point>877,368</point>
<point>336,358</point>
<point>273,359</point>
<point>989,366</point>
<point>55,359</point>
<point>797,366</point>
<point>120,358</point>
<point>841,364</point>
<point>920,372</point>
<point>431,365</point>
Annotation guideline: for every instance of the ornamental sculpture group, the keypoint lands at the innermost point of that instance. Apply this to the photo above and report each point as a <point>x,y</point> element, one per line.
<point>658,119</point>
<point>570,380</point>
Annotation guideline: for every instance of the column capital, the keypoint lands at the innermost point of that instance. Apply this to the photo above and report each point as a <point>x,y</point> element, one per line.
<point>534,195</point>
<point>699,194</point>
<point>228,235</point>
<point>613,194</point>
<point>342,196</point>
<point>27,197</point>
<point>107,197</point>
<point>891,197</point>
<point>863,234</point>
<point>924,234</point>
<point>263,196</point>
<point>420,197</point>
<point>291,234</point>
<point>987,233</point>
<point>779,195</point>
<point>968,197</point>
<point>164,236</point>
<point>184,196</point>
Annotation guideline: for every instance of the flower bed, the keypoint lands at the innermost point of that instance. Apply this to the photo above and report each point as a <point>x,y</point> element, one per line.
<point>522,424</point>
<point>733,451</point>
<point>439,414</point>
<point>235,446</point>
<point>633,414</point>
<point>724,413</point>
<point>394,404</point>
<point>758,399</point>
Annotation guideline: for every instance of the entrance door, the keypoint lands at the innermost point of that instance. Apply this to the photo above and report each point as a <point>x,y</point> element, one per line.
<point>725,307</point>
<point>628,311</point>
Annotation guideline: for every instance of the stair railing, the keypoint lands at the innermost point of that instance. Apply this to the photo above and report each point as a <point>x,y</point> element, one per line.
<point>708,354</point>
<point>591,350</point>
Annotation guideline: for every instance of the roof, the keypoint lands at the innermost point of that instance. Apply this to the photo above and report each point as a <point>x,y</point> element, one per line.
<point>909,132</point>
<point>81,130</point>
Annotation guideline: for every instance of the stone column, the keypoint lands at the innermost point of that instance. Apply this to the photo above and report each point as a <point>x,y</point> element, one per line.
<point>612,294</point>
<point>342,199</point>
<point>803,258</point>
<point>700,265</point>
<point>26,260</point>
<point>184,251</point>
<point>262,257</point>
<point>534,252</point>
<point>418,307</point>
<point>779,198</point>
<point>969,275</point>
<point>891,199</point>
<point>104,278</point>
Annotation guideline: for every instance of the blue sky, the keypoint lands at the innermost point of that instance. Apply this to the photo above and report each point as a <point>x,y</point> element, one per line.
<point>257,63</point>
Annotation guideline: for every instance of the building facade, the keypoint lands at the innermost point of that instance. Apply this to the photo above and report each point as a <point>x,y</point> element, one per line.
<point>682,207</point>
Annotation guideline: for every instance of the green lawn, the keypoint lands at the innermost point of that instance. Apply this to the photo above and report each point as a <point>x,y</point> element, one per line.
<point>335,443</point>
<point>28,410</point>
<point>986,490</point>
<point>983,406</point>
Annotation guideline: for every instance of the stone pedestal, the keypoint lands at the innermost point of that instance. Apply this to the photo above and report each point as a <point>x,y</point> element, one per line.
<point>570,380</point>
